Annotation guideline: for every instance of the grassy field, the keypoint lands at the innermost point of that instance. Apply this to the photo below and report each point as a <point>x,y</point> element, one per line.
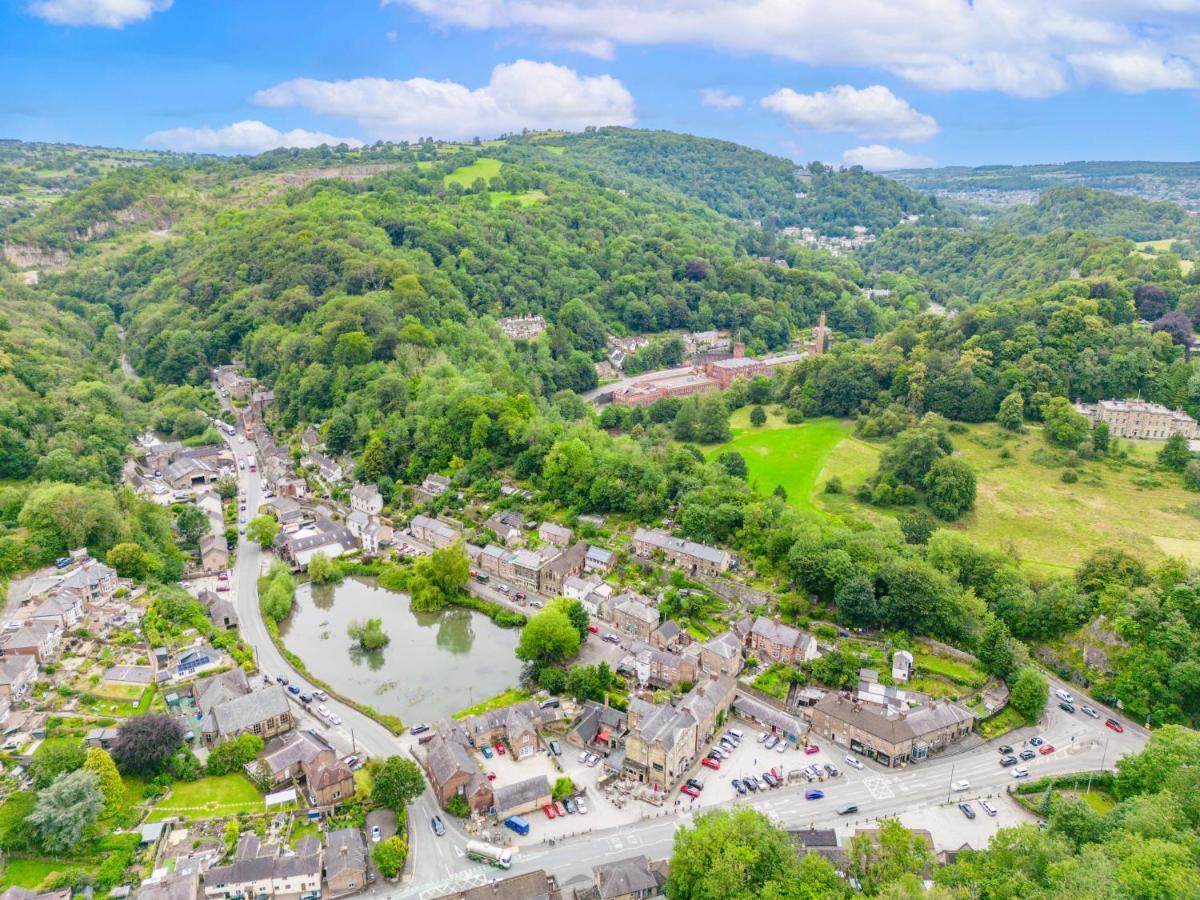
<point>215,795</point>
<point>29,873</point>
<point>1153,248</point>
<point>508,698</point>
<point>485,167</point>
<point>525,198</point>
<point>799,457</point>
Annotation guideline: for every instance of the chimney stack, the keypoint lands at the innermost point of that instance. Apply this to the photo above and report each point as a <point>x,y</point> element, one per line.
<point>739,350</point>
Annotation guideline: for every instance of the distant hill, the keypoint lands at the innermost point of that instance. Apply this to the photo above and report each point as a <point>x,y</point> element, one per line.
<point>1005,185</point>
<point>749,184</point>
<point>1101,212</point>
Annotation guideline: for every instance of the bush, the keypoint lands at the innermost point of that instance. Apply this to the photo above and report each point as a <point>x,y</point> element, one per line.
<point>834,485</point>
<point>457,806</point>
<point>1069,477</point>
<point>563,787</point>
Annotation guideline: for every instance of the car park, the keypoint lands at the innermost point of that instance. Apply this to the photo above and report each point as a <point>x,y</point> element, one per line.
<point>1027,755</point>
<point>965,809</point>
<point>961,785</point>
<point>988,807</point>
<point>848,810</point>
<point>1020,772</point>
<point>1008,760</point>
<point>1114,725</point>
<point>1089,711</point>
<point>814,795</point>
<point>854,761</point>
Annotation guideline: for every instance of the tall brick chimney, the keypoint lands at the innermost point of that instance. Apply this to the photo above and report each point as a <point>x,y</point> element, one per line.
<point>739,350</point>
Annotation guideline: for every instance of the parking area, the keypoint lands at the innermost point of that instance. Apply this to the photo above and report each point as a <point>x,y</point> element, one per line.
<point>753,757</point>
<point>950,828</point>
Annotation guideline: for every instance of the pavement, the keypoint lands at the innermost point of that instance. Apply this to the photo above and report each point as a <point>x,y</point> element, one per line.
<point>919,794</point>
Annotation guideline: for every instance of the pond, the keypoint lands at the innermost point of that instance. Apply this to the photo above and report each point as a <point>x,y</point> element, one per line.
<point>434,665</point>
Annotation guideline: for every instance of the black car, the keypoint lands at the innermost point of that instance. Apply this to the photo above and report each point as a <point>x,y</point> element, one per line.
<point>1005,749</point>
<point>1027,755</point>
<point>1066,707</point>
<point>749,782</point>
<point>966,810</point>
<point>769,779</point>
<point>695,783</point>
<point>847,810</point>
<point>1008,760</point>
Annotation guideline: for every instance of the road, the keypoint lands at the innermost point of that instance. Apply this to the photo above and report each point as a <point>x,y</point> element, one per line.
<point>439,865</point>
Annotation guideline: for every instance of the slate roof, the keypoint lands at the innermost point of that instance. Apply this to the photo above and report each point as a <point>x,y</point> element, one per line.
<point>344,851</point>
<point>244,712</point>
<point>522,792</point>
<point>624,876</point>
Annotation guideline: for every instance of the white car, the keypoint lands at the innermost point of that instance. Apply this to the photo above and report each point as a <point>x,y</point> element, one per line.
<point>580,806</point>
<point>583,756</point>
<point>376,834</point>
<point>781,746</point>
<point>854,761</point>
<point>958,786</point>
<point>1021,772</point>
<point>762,736</point>
<point>988,807</point>
<point>323,710</point>
<point>335,719</point>
<point>1064,696</point>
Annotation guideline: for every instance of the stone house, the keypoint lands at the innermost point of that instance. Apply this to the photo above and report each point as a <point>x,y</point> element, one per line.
<point>889,737</point>
<point>64,607</point>
<point>522,797</point>
<point>633,615</point>
<point>773,641</point>
<point>431,488</point>
<point>507,526</point>
<point>298,877</point>
<point>434,532</point>
<point>41,640</point>
<point>661,743</point>
<point>451,770</point>
<point>634,878</point>
<point>669,636</point>
<point>599,560</point>
<point>668,669</point>
<point>553,533</point>
<point>17,673</point>
<point>329,781</point>
<point>902,664</point>
<point>691,556</point>
<point>366,498</point>
<point>214,553</point>
<point>286,755</point>
<point>345,862</point>
<point>722,655</point>
<point>567,564</point>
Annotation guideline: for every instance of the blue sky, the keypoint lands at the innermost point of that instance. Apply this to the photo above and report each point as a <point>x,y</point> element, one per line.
<point>871,81</point>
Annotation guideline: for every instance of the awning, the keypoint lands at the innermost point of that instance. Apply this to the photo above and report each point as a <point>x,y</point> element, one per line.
<point>602,736</point>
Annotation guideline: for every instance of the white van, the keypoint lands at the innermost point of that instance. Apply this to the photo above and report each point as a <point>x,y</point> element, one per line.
<point>737,734</point>
<point>1064,696</point>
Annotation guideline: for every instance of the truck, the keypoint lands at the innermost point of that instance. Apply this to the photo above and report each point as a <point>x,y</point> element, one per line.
<point>500,857</point>
<point>517,824</point>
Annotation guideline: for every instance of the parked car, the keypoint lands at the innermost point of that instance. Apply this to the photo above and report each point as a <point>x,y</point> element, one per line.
<point>612,638</point>
<point>781,746</point>
<point>548,809</point>
<point>1089,711</point>
<point>559,808</point>
<point>1046,749</point>
<point>376,834</point>
<point>520,595</point>
<point>306,698</point>
<point>814,795</point>
<point>282,679</point>
<point>419,728</point>
<point>570,805</point>
<point>738,786</point>
<point>1066,707</point>
<point>696,783</point>
<point>583,756</point>
<point>848,810</point>
<point>771,741</point>
<point>491,776</point>
<point>716,753</point>
<point>580,806</point>
<point>854,761</point>
<point>1020,772</point>
<point>499,747</point>
<point>1027,755</point>
<point>762,736</point>
<point>710,762</point>
<point>1114,725</point>
<point>1008,760</point>
<point>335,719</point>
<point>293,688</point>
<point>486,751</point>
<point>988,807</point>
<point>592,629</point>
<point>960,785</point>
<point>831,770</point>
<point>592,760</point>
<point>689,790</point>
<point>1065,696</point>
<point>1036,741</point>
<point>1005,749</point>
<point>811,749</point>
<point>749,783</point>
<point>965,809</point>
<point>555,748</point>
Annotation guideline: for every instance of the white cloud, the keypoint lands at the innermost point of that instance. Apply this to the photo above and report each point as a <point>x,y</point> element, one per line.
<point>1032,48</point>
<point>869,112</point>
<point>719,99</point>
<point>249,136</point>
<point>881,158</point>
<point>519,95</point>
<point>106,13</point>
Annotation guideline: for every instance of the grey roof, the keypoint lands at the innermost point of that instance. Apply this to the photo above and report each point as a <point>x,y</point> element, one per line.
<point>779,633</point>
<point>669,628</point>
<point>447,758</point>
<point>217,689</point>
<point>210,541</point>
<point>342,537</point>
<point>344,851</point>
<point>522,792</point>
<point>178,887</point>
<point>894,730</point>
<point>358,517</point>
<point>662,724</point>
<point>245,712</point>
<point>636,608</point>
<point>367,492</point>
<point>624,876</point>
<point>599,554</point>
<point>725,645</point>
<point>287,750</point>
<point>306,860</point>
<point>656,537</point>
<point>756,709</point>
<point>14,667</point>
<point>938,715</point>
<point>815,837</point>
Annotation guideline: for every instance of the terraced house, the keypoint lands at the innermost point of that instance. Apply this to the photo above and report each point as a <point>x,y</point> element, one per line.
<point>692,557</point>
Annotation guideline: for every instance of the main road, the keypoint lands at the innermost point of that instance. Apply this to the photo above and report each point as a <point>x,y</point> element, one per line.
<point>439,865</point>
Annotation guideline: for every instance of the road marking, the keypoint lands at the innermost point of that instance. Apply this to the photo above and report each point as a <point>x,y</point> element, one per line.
<point>879,787</point>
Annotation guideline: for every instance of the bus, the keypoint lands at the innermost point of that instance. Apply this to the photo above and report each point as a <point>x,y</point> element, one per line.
<point>500,857</point>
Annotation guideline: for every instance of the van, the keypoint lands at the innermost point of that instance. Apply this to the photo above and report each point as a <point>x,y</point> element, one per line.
<point>737,734</point>
<point>517,824</point>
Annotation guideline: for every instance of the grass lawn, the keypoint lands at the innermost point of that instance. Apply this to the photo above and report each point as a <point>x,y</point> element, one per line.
<point>556,150</point>
<point>508,698</point>
<point>1004,722</point>
<point>799,457</point>
<point>215,795</point>
<point>958,672</point>
<point>485,167</point>
<point>302,830</point>
<point>119,690</point>
<point>1101,802</point>
<point>29,873</point>
<point>525,198</point>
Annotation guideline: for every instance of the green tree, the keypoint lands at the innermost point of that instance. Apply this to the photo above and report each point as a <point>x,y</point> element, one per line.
<point>226,487</point>
<point>996,650</point>
<point>1170,749</point>
<point>276,601</point>
<point>397,783</point>
<point>108,779</point>
<point>321,569</point>
<point>192,523</point>
<point>374,459</point>
<point>856,603</point>
<point>389,856</point>
<point>129,559</point>
<point>369,634</point>
<point>230,756</point>
<point>950,488</point>
<point>758,416</point>
<point>1012,411</point>
<point>1029,693</point>
<point>917,527</point>
<point>734,464</point>
<point>563,787</point>
<point>65,811</point>
<point>548,638</point>
<point>875,860</point>
<point>1064,426</point>
<point>573,610</point>
<point>712,425</point>
<point>438,577</point>
<point>53,759</point>
<point>1100,439</point>
<point>1175,454</point>
<point>734,855</point>
<point>262,530</point>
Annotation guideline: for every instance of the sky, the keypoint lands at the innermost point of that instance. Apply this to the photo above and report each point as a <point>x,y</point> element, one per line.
<point>882,83</point>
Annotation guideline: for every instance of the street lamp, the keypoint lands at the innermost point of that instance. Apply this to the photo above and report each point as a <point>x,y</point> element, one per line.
<point>950,786</point>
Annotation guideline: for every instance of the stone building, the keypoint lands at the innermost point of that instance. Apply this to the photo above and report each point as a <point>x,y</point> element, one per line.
<point>890,738</point>
<point>1140,419</point>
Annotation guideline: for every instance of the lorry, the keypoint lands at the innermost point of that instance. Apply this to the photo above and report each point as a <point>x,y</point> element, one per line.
<point>517,824</point>
<point>500,857</point>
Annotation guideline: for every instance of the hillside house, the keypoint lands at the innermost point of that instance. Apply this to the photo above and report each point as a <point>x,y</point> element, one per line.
<point>365,498</point>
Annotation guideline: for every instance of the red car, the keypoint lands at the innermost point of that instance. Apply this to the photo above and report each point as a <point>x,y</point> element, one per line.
<point>1046,749</point>
<point>811,748</point>
<point>548,809</point>
<point>689,790</point>
<point>499,747</point>
<point>592,629</point>
<point>710,762</point>
<point>559,808</point>
<point>1114,725</point>
<point>491,776</point>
